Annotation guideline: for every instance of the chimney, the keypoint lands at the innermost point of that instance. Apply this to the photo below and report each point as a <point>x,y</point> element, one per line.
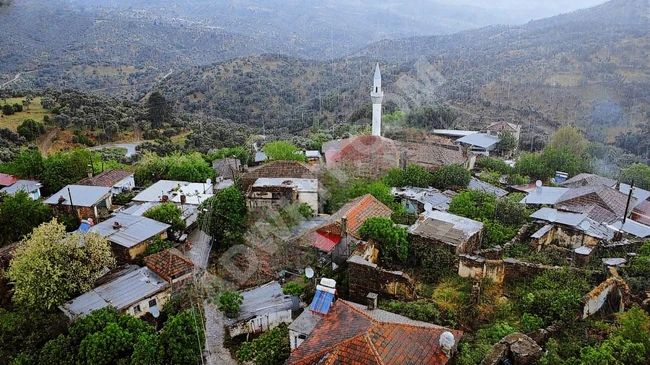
<point>372,301</point>
<point>165,198</point>
<point>344,226</point>
<point>116,225</point>
<point>183,199</point>
<point>90,175</point>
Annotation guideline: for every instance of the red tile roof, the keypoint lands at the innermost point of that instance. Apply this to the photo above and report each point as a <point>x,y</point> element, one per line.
<point>348,335</point>
<point>356,211</point>
<point>326,241</point>
<point>106,178</point>
<point>7,180</point>
<point>169,264</point>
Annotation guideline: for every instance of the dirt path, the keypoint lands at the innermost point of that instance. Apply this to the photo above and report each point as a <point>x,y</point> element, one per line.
<point>215,353</point>
<point>44,146</point>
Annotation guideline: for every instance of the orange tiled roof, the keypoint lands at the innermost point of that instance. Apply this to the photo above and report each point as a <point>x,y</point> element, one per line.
<point>169,264</point>
<point>356,211</point>
<point>349,336</point>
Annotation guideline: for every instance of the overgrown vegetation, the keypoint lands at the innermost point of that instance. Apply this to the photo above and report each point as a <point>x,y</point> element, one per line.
<point>392,240</point>
<point>271,348</point>
<point>181,167</point>
<point>230,303</point>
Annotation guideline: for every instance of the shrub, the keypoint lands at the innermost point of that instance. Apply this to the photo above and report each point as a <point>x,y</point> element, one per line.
<point>412,176</point>
<point>516,179</point>
<point>30,129</point>
<point>293,288</point>
<point>393,240</point>
<point>230,303</point>
<point>270,349</point>
<point>494,164</point>
<point>451,176</point>
<point>491,177</point>
<point>420,310</point>
<point>156,245</point>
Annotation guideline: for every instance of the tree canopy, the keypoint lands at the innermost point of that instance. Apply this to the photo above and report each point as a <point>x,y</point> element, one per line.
<point>168,213</point>
<point>283,150</point>
<point>182,167</point>
<point>451,176</point>
<point>52,266</point>
<point>19,214</point>
<point>637,173</point>
<point>392,240</point>
<point>413,175</point>
<point>30,129</point>
<point>224,217</point>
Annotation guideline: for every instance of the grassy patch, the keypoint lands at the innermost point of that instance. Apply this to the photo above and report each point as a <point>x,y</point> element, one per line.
<point>34,111</point>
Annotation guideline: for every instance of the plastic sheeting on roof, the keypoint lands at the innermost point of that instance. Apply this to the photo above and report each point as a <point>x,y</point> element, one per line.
<point>326,241</point>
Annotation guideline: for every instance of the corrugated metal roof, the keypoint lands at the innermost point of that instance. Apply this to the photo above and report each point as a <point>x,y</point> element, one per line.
<point>82,196</point>
<point>639,194</point>
<point>453,132</point>
<point>478,185</point>
<point>132,229</point>
<point>544,195</point>
<point>555,216</point>
<point>195,193</point>
<point>633,228</point>
<point>262,300</point>
<point>480,140</point>
<point>120,293</point>
<point>542,231</point>
<point>24,185</point>
<point>431,196</point>
<point>326,241</point>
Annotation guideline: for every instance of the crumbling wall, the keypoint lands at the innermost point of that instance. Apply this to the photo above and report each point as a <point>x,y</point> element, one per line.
<point>500,271</point>
<point>366,277</point>
<point>608,297</point>
<point>517,347</point>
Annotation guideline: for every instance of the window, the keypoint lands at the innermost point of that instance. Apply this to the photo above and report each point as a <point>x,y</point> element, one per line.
<point>137,309</point>
<point>152,303</point>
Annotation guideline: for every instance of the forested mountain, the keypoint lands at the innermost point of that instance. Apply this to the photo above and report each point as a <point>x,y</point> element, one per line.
<point>588,68</point>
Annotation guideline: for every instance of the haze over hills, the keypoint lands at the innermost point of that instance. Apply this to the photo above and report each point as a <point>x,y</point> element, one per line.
<point>588,68</point>
<point>139,41</point>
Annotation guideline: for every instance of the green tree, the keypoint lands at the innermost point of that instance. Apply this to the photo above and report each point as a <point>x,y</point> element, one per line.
<point>182,338</point>
<point>564,159</point>
<point>614,351</point>
<point>293,288</point>
<point>283,150</point>
<point>19,214</point>
<point>147,350</point>
<point>182,167</point>
<point>473,204</point>
<point>451,176</point>
<point>392,240</point>
<point>230,302</point>
<point>27,165</point>
<point>224,217</point>
<point>17,107</point>
<point>493,164</point>
<point>168,213</point>
<point>507,144</point>
<point>7,109</point>
<point>532,165</point>
<point>412,176</point>
<point>52,266</point>
<point>638,173</point>
<point>634,325</point>
<point>240,152</point>
<point>570,138</point>
<point>272,348</point>
<point>30,129</point>
<point>159,109</point>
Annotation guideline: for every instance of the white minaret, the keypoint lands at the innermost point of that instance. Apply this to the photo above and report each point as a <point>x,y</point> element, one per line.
<point>377,96</point>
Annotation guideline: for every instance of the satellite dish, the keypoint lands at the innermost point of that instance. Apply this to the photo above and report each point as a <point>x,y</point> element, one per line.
<point>585,225</point>
<point>447,341</point>
<point>538,183</point>
<point>309,272</point>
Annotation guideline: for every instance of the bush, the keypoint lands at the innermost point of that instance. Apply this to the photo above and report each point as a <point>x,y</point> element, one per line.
<point>494,164</point>
<point>7,109</point>
<point>393,242</point>
<point>293,288</point>
<point>156,245</point>
<point>420,310</point>
<point>491,177</point>
<point>412,176</point>
<point>124,197</point>
<point>271,348</point>
<point>452,176</point>
<point>230,302</point>
<point>30,129</point>
<point>305,210</point>
<point>283,150</point>
<point>516,179</point>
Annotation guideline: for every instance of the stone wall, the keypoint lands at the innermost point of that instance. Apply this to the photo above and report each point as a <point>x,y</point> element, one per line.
<point>500,271</point>
<point>517,347</point>
<point>366,277</point>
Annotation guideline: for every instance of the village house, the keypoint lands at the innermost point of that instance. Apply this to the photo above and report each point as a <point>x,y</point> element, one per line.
<point>446,231</point>
<point>227,168</point>
<point>7,180</point>
<point>171,265</point>
<point>129,235</point>
<point>335,237</point>
<point>32,188</point>
<point>417,200</point>
<point>569,229</point>
<point>275,193</point>
<point>351,333</point>
<point>496,128</point>
<point>83,201</point>
<point>137,291</point>
<point>480,185</point>
<point>279,169</point>
<point>189,213</point>
<point>118,180</point>
<point>263,308</point>
<point>313,156</point>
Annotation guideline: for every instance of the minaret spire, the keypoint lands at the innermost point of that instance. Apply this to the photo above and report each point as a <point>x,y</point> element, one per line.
<point>377,96</point>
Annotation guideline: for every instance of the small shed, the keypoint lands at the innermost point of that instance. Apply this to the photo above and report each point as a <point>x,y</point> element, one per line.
<point>262,309</point>
<point>458,234</point>
<point>84,201</point>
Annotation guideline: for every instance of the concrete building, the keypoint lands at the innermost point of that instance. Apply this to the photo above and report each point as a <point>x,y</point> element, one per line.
<point>83,201</point>
<point>136,292</point>
<point>278,192</point>
<point>179,192</point>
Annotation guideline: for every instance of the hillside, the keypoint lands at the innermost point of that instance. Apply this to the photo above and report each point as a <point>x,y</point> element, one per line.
<point>589,68</point>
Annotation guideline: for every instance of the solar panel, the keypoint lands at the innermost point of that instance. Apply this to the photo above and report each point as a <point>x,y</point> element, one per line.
<point>322,302</point>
